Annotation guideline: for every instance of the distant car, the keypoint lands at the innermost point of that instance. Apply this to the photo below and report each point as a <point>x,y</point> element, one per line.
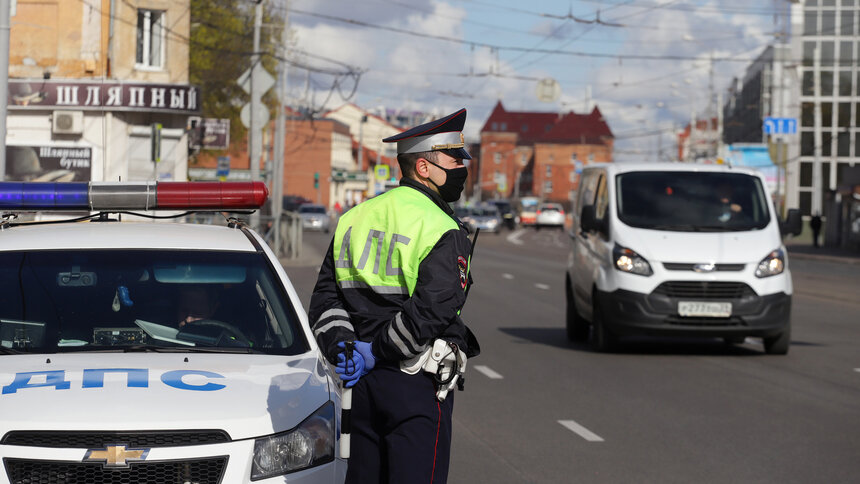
<point>550,215</point>
<point>464,214</point>
<point>314,217</point>
<point>506,210</point>
<point>487,218</point>
<point>292,203</point>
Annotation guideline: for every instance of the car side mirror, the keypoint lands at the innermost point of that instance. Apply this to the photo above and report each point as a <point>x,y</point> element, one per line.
<point>793,223</point>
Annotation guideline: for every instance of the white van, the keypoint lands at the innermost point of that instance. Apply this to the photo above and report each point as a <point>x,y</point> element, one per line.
<point>678,249</point>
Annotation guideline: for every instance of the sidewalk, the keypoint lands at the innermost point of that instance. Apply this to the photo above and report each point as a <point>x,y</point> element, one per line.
<point>800,247</point>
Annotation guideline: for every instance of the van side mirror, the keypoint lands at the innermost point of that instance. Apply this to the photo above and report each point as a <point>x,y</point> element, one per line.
<point>589,222</point>
<point>793,223</point>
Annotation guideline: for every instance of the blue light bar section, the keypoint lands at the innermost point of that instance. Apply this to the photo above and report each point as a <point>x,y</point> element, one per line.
<point>44,196</point>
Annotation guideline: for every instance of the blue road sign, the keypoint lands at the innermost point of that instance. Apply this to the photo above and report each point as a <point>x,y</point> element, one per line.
<point>779,125</point>
<point>223,168</point>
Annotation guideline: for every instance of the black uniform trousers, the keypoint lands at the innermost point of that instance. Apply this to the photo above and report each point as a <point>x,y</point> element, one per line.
<point>401,434</point>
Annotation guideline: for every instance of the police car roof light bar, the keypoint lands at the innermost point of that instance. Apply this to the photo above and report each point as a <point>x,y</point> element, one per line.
<point>112,196</point>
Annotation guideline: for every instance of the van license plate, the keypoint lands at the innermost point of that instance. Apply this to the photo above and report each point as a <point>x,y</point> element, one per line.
<point>705,309</point>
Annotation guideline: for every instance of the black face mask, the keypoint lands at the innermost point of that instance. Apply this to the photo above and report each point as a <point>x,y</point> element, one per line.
<point>455,180</point>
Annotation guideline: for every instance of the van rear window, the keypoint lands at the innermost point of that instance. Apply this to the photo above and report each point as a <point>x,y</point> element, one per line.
<point>692,201</point>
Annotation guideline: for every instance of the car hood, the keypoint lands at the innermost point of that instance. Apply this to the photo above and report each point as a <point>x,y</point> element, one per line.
<point>701,247</point>
<point>245,395</point>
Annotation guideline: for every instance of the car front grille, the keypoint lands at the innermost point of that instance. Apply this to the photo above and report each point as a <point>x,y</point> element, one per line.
<point>85,440</point>
<point>704,290</point>
<point>705,322</point>
<point>198,471</point>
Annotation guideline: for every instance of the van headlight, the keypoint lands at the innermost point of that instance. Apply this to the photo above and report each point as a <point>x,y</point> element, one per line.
<point>771,265</point>
<point>626,260</point>
<point>308,445</point>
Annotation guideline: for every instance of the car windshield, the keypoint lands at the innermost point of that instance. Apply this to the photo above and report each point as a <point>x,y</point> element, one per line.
<point>311,209</point>
<point>486,212</point>
<point>504,207</point>
<point>550,208</point>
<point>195,300</point>
<point>692,201</point>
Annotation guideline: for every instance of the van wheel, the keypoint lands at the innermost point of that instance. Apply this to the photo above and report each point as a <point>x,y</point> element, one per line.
<point>577,327</point>
<point>778,345</point>
<point>602,338</point>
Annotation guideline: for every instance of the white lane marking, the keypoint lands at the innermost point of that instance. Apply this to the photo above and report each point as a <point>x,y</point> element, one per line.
<point>507,276</point>
<point>492,375</point>
<point>542,286</point>
<point>581,431</point>
<point>514,237</point>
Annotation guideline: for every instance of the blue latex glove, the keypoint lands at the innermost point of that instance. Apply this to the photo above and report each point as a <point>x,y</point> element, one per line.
<point>350,370</point>
<point>365,350</point>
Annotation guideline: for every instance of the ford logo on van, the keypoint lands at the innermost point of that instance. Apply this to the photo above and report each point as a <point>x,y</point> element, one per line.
<point>709,267</point>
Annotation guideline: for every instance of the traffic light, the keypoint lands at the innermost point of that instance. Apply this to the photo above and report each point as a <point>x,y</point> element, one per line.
<point>316,179</point>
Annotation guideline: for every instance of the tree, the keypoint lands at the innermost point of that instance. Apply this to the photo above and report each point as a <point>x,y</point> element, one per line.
<point>221,47</point>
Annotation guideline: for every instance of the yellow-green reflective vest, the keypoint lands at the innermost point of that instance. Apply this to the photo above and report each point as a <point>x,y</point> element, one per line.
<point>380,243</point>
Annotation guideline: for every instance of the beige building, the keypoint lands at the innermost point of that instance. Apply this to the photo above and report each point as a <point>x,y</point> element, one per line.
<point>90,80</point>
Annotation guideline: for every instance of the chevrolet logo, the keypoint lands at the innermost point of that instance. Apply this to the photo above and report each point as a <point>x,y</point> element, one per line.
<point>115,455</point>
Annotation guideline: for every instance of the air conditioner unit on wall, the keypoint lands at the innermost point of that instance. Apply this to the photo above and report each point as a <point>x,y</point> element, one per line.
<point>68,122</point>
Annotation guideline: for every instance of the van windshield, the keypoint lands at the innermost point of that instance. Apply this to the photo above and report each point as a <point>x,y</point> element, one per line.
<point>692,201</point>
<point>141,300</point>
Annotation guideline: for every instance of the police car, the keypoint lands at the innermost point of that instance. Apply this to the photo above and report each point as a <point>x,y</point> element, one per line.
<point>133,351</point>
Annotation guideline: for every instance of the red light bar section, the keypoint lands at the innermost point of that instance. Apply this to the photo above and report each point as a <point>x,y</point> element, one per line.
<point>211,195</point>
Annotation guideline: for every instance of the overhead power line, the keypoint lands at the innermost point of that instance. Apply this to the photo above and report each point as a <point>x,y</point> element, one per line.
<point>513,48</point>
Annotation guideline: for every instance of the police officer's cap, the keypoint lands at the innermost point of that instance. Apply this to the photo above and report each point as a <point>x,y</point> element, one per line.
<point>444,134</point>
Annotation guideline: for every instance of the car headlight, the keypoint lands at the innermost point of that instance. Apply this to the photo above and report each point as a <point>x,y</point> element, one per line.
<point>308,445</point>
<point>771,265</point>
<point>626,260</point>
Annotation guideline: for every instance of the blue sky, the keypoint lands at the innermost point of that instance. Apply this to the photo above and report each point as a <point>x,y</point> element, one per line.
<point>646,63</point>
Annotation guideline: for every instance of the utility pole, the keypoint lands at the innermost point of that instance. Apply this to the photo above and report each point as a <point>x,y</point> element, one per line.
<point>280,133</point>
<point>816,166</point>
<point>5,15</point>
<point>255,133</point>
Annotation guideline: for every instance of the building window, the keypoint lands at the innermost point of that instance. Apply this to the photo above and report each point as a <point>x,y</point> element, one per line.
<point>547,186</point>
<point>807,143</point>
<point>590,157</point>
<point>548,171</point>
<point>150,38</point>
<point>845,82</point>
<point>843,144</point>
<point>494,126</point>
<point>497,158</point>
<point>504,126</point>
<point>843,119</point>
<point>805,174</point>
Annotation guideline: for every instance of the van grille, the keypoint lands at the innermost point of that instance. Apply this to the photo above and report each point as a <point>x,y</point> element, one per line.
<point>198,471</point>
<point>86,440</point>
<point>704,290</point>
<point>684,266</point>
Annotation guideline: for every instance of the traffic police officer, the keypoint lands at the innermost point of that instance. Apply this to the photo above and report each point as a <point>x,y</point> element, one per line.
<point>394,280</point>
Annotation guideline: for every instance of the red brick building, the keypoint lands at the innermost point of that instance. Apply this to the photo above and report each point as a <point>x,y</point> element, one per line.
<point>536,153</point>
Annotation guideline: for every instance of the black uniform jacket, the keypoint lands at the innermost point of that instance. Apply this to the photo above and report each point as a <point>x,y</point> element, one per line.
<point>398,326</point>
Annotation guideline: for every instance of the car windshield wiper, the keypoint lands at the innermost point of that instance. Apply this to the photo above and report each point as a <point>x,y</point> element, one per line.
<point>163,349</point>
<point>191,349</point>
